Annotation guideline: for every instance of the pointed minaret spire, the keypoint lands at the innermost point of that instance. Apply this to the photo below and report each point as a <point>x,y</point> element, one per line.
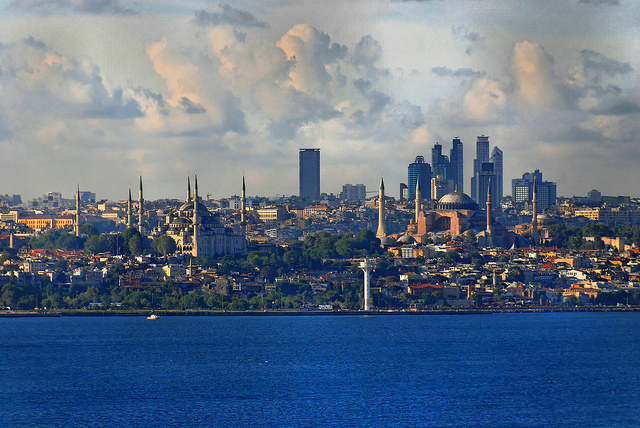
<point>418,199</point>
<point>534,219</point>
<point>129,210</point>
<point>188,188</point>
<point>382,227</point>
<point>489,208</point>
<point>243,214</point>
<point>194,247</point>
<point>76,226</point>
<point>140,208</point>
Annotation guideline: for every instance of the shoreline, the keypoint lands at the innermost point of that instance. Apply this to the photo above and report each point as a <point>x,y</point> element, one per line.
<point>452,311</point>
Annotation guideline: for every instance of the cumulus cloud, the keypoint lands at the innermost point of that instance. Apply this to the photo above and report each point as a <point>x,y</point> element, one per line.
<point>78,6</point>
<point>230,16</point>
<point>312,51</point>
<point>532,69</point>
<point>473,39</point>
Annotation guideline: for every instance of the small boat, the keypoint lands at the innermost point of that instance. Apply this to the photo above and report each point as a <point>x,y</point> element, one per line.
<point>153,317</point>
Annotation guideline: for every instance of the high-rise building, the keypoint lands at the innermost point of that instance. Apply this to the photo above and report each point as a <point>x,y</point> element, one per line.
<point>439,162</point>
<point>309,169</point>
<point>404,191</point>
<point>421,170</point>
<point>456,165</point>
<point>522,191</point>
<point>486,169</point>
<point>353,192</point>
<point>440,186</point>
<point>496,160</point>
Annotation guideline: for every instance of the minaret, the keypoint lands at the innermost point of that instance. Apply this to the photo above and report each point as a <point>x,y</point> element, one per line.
<point>188,188</point>
<point>140,208</point>
<point>77,222</point>
<point>382,227</point>
<point>129,210</point>
<point>243,208</point>
<point>534,220</point>
<point>194,251</point>
<point>489,208</point>
<point>367,267</point>
<point>418,199</point>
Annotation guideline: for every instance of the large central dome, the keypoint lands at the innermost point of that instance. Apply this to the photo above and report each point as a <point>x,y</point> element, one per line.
<point>456,201</point>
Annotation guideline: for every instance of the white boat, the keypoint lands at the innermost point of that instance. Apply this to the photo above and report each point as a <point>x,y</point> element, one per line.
<point>153,317</point>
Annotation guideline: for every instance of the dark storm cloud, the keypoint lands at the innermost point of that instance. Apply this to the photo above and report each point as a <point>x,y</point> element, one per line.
<point>310,110</point>
<point>229,15</point>
<point>81,6</point>
<point>599,64</point>
<point>190,107</point>
<point>35,43</point>
<point>377,100</point>
<point>114,107</point>
<point>461,72</point>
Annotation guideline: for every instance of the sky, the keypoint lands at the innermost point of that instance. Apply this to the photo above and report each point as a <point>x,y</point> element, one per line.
<point>95,92</point>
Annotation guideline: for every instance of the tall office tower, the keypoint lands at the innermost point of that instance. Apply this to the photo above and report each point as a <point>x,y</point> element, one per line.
<point>522,191</point>
<point>419,169</point>
<point>441,186</point>
<point>354,192</point>
<point>309,169</point>
<point>404,191</point>
<point>456,165</point>
<point>439,162</point>
<point>482,155</point>
<point>496,160</point>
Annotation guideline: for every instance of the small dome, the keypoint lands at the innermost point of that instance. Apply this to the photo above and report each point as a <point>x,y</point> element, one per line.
<point>456,201</point>
<point>406,239</point>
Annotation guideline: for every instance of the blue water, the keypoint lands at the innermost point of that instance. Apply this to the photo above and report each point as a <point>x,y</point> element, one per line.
<point>538,370</point>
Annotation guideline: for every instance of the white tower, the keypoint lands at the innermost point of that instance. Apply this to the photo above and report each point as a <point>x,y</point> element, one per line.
<point>367,267</point>
<point>382,227</point>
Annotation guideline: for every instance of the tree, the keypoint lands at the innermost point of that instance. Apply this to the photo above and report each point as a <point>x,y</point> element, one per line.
<point>89,229</point>
<point>164,245</point>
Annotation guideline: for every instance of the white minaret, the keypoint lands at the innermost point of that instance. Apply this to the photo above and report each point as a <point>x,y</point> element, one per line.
<point>140,208</point>
<point>418,199</point>
<point>489,209</point>
<point>367,267</point>
<point>77,225</point>
<point>382,227</point>
<point>534,220</point>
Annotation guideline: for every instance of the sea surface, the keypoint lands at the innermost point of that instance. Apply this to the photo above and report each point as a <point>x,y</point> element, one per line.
<point>499,370</point>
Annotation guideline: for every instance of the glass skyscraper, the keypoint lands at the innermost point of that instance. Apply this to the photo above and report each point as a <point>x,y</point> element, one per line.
<point>309,170</point>
<point>419,169</point>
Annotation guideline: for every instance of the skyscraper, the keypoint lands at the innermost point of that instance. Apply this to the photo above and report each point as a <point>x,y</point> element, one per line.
<point>309,169</point>
<point>439,163</point>
<point>456,165</point>
<point>496,160</point>
<point>522,191</point>
<point>487,169</point>
<point>419,169</point>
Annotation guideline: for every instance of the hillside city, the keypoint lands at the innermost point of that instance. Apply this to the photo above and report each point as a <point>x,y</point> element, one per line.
<point>434,247</point>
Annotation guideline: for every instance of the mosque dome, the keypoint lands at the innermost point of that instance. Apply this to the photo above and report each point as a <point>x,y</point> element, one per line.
<point>406,239</point>
<point>456,201</point>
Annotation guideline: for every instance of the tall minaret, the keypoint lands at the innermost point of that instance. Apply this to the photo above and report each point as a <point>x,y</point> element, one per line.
<point>489,208</point>
<point>418,199</point>
<point>194,250</point>
<point>534,220</point>
<point>140,208</point>
<point>129,210</point>
<point>382,227</point>
<point>76,226</point>
<point>188,188</point>
<point>243,201</point>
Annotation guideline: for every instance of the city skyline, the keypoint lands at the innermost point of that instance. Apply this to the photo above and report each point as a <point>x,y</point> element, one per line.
<point>93,92</point>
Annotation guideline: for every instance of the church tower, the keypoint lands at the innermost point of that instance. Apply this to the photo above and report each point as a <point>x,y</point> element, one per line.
<point>382,227</point>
